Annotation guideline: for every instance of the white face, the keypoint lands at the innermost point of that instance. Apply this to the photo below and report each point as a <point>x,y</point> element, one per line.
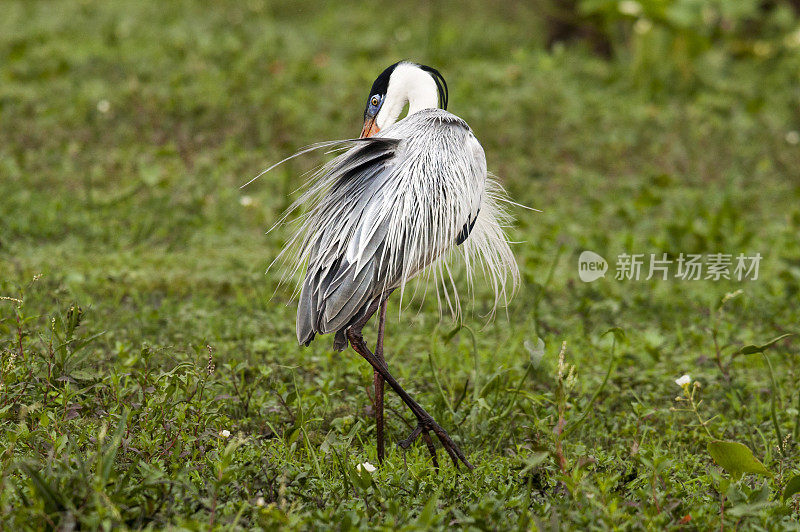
<point>407,84</point>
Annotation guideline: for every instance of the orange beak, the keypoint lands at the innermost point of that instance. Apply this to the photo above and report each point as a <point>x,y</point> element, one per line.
<point>370,128</point>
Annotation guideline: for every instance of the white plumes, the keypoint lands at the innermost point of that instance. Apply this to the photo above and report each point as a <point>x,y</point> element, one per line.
<point>415,201</point>
<point>488,245</point>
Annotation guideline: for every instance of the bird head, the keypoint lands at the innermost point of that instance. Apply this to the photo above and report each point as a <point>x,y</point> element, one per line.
<point>422,87</point>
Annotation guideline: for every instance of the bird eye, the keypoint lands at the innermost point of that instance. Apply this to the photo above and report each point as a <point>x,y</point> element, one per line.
<point>374,100</point>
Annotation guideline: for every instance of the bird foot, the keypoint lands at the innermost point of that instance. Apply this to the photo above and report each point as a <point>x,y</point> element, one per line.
<point>405,444</point>
<point>417,432</point>
<point>426,425</point>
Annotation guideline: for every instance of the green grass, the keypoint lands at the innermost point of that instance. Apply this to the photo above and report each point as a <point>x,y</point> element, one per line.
<point>134,215</point>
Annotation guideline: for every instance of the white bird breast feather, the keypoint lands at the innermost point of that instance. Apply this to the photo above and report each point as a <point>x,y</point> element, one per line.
<point>393,207</point>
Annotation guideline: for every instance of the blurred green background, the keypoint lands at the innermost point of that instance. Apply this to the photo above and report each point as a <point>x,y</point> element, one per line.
<point>636,126</point>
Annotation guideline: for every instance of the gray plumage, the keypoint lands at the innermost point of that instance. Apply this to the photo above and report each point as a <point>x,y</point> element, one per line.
<point>397,204</point>
<point>390,208</point>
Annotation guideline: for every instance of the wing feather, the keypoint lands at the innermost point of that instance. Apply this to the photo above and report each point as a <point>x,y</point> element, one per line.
<point>393,206</point>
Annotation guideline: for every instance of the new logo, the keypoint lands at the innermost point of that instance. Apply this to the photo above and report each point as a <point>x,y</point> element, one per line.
<point>591,266</point>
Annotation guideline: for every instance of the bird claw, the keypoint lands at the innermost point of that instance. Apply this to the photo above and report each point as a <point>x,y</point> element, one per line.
<point>405,444</point>
<point>422,429</point>
<point>418,431</point>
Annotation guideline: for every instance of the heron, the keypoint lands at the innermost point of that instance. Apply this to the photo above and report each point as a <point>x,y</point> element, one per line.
<point>401,201</point>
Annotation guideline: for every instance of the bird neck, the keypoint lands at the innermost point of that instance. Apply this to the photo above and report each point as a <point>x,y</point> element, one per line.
<point>408,84</point>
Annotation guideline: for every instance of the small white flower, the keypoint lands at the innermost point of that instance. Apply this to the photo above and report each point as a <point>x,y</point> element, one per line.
<point>260,501</point>
<point>792,137</point>
<point>367,466</point>
<point>103,106</point>
<point>684,381</point>
<point>225,434</point>
<point>630,7</point>
<point>245,201</point>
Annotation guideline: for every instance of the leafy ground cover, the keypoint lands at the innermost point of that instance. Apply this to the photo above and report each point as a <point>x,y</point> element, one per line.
<point>149,375</point>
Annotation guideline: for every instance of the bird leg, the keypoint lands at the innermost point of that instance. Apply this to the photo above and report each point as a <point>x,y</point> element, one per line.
<point>425,421</point>
<point>377,380</point>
